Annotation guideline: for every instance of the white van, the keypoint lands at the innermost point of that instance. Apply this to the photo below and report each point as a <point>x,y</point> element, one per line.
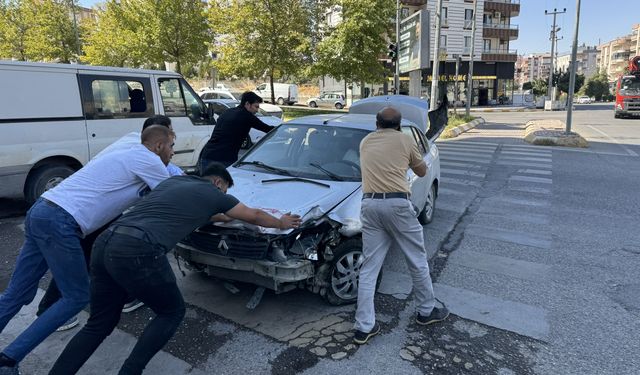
<point>285,93</point>
<point>56,117</point>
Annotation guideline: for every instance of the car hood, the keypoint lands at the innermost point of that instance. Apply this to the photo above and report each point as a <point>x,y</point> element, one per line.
<point>277,194</point>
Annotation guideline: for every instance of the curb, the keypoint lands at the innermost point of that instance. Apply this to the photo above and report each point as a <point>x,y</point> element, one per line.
<point>456,131</point>
<point>551,133</point>
<point>503,110</point>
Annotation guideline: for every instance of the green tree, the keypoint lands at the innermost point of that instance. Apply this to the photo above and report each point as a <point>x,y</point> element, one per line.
<point>597,86</point>
<point>261,37</point>
<point>352,50</point>
<point>540,86</point>
<point>15,25</point>
<point>527,86</point>
<point>562,80</point>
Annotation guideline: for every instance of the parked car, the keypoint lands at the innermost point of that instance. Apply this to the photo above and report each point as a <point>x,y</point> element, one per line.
<point>310,166</point>
<point>222,105</point>
<point>285,93</point>
<point>78,110</point>
<point>269,109</point>
<point>329,100</point>
<point>584,100</point>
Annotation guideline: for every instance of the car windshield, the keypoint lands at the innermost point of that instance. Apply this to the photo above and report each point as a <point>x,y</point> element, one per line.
<point>311,151</point>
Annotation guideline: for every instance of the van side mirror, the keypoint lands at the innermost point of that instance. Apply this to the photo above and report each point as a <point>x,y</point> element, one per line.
<point>210,114</point>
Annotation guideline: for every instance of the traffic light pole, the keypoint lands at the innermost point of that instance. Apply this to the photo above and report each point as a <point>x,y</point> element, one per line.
<point>473,49</point>
<point>396,77</point>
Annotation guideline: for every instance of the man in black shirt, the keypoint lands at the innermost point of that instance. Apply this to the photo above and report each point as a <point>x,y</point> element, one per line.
<point>231,129</point>
<point>130,258</point>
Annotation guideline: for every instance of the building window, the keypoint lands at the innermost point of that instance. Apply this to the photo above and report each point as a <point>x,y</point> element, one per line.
<point>445,17</point>
<point>443,41</point>
<point>468,18</point>
<point>486,45</point>
<point>467,45</point>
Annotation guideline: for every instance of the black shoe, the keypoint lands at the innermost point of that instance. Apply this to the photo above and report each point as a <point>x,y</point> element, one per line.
<point>362,337</point>
<point>437,315</point>
<point>132,305</point>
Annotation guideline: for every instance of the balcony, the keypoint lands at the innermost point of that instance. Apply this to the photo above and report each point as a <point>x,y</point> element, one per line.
<point>500,55</point>
<point>500,31</point>
<point>510,8</point>
<point>413,2</point>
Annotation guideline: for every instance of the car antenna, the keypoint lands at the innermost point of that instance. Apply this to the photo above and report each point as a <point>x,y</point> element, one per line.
<point>326,122</point>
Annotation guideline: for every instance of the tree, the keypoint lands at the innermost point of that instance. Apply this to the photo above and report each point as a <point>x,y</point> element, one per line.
<point>351,52</point>
<point>261,37</point>
<point>527,86</point>
<point>15,24</point>
<point>539,86</point>
<point>597,86</point>
<point>562,79</point>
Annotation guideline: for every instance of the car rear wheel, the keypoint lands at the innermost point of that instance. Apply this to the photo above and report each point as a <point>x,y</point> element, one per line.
<point>344,273</point>
<point>44,178</point>
<point>339,106</point>
<point>426,215</point>
<point>313,105</point>
<point>280,101</point>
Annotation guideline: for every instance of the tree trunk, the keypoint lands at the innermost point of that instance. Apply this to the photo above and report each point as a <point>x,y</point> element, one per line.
<point>273,94</point>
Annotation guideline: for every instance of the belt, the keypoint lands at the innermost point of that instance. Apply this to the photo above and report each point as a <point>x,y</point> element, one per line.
<point>131,232</point>
<point>385,195</point>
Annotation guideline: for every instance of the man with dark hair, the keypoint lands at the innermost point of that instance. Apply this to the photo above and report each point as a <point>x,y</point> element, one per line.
<point>388,216</point>
<point>52,295</point>
<point>130,258</point>
<point>55,224</point>
<point>231,129</point>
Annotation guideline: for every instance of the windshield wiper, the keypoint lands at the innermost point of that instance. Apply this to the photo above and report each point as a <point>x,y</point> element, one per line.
<point>299,179</point>
<point>265,166</point>
<point>328,173</point>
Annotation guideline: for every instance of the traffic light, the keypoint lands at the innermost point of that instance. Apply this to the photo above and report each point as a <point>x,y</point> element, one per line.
<point>393,52</point>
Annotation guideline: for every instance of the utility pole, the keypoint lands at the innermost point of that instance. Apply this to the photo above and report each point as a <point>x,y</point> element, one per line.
<point>435,78</point>
<point>396,77</point>
<point>456,89</point>
<point>553,44</point>
<point>473,45</point>
<point>572,76</point>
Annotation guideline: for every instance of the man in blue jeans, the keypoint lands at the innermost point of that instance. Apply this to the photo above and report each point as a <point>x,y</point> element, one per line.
<point>129,258</point>
<point>54,226</point>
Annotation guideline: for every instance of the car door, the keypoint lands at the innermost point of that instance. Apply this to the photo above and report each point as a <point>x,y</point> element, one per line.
<point>419,185</point>
<point>324,100</point>
<point>189,119</point>
<point>114,105</point>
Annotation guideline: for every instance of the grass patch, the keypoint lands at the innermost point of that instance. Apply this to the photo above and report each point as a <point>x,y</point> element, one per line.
<point>291,113</point>
<point>459,120</point>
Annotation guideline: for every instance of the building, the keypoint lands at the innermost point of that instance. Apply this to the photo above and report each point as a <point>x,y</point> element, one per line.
<point>613,57</point>
<point>586,57</point>
<point>494,61</point>
<point>532,67</point>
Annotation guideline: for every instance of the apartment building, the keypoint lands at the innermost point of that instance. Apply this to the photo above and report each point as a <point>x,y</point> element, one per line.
<point>532,67</point>
<point>494,61</point>
<point>613,57</point>
<point>586,63</point>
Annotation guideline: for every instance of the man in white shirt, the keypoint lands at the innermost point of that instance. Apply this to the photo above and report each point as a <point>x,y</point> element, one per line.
<point>54,226</point>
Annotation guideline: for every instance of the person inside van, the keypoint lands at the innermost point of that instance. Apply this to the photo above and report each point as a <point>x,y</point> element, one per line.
<point>85,201</point>
<point>231,129</point>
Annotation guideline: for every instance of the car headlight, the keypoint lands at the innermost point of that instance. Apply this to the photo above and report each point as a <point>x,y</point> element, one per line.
<point>306,246</point>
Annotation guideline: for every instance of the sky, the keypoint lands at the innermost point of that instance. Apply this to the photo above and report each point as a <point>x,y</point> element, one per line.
<point>600,21</point>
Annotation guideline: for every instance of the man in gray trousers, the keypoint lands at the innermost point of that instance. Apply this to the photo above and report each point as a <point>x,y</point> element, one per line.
<point>387,215</point>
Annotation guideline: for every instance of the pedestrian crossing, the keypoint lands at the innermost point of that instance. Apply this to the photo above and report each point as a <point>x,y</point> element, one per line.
<point>508,233</point>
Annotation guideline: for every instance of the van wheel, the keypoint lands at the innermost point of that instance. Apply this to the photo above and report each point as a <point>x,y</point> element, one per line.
<point>313,105</point>
<point>44,178</point>
<point>344,272</point>
<point>280,101</point>
<point>339,106</point>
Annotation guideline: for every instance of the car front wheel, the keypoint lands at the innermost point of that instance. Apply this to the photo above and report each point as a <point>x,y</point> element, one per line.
<point>280,101</point>
<point>313,105</point>
<point>426,215</point>
<point>339,106</point>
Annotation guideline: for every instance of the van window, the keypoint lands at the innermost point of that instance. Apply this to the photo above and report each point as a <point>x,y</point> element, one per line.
<point>178,99</point>
<point>262,87</point>
<point>119,99</point>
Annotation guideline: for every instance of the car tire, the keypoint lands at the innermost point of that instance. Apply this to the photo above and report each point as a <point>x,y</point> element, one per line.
<point>339,106</point>
<point>313,105</point>
<point>44,178</point>
<point>348,256</point>
<point>280,101</point>
<point>426,215</point>
<point>615,115</point>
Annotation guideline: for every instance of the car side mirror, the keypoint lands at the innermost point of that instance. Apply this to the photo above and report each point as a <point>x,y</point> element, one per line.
<point>210,114</point>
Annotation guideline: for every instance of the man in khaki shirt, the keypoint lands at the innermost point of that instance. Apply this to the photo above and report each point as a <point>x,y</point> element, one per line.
<point>388,215</point>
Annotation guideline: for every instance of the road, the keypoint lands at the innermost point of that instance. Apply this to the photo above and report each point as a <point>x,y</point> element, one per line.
<point>534,249</point>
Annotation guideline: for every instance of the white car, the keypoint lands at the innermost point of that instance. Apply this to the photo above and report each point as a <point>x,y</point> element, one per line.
<point>270,109</point>
<point>222,105</point>
<point>329,100</point>
<point>584,100</point>
<point>310,166</point>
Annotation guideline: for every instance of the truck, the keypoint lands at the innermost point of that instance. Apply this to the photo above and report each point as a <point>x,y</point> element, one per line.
<point>628,91</point>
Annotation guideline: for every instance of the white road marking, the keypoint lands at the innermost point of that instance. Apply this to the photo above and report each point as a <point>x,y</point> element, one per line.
<point>630,152</point>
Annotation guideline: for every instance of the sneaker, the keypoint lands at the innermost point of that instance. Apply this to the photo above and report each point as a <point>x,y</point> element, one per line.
<point>437,315</point>
<point>133,305</point>
<point>5,370</point>
<point>69,324</point>
<point>361,338</point>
